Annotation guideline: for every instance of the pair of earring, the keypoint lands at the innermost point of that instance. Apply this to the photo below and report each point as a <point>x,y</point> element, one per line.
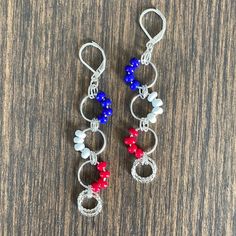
<point>142,157</point>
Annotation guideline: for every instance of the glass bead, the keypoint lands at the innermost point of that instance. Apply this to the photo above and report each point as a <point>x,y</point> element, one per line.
<point>135,84</point>
<point>129,78</point>
<point>100,96</point>
<point>134,62</point>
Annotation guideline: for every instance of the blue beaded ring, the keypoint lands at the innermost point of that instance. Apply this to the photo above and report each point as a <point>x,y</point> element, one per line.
<point>106,107</point>
<point>129,78</point>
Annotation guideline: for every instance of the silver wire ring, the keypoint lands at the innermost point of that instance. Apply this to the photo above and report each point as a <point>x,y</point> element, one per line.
<point>101,68</point>
<point>79,172</point>
<point>156,74</point>
<point>131,107</point>
<point>104,140</point>
<point>156,140</point>
<point>81,108</point>
<point>158,36</point>
<point>85,211</point>
<point>148,161</point>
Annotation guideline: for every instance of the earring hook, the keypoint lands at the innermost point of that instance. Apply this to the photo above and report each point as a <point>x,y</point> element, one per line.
<point>93,87</point>
<point>101,68</point>
<point>146,56</point>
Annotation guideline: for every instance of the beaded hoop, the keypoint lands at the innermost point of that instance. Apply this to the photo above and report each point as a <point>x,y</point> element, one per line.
<point>103,173</point>
<point>156,103</point>
<point>91,191</point>
<point>132,147</point>
<point>80,146</point>
<point>105,103</point>
<point>152,97</point>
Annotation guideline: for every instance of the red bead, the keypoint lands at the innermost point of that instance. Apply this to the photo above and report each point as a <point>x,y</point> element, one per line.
<point>101,166</point>
<point>132,148</point>
<point>95,187</point>
<point>105,174</point>
<point>102,183</point>
<point>139,153</point>
<point>126,140</point>
<point>133,132</point>
<point>129,140</point>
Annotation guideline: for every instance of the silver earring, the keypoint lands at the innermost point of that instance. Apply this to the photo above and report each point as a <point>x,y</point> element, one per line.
<point>142,157</point>
<point>91,157</point>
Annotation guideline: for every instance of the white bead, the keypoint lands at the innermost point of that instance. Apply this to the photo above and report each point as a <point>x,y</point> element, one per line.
<point>157,110</point>
<point>79,146</point>
<point>78,140</point>
<point>157,102</point>
<point>151,96</point>
<point>80,134</point>
<point>85,153</point>
<point>151,117</point>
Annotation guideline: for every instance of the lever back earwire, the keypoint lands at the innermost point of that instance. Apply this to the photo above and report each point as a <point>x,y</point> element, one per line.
<point>101,68</point>
<point>93,87</point>
<point>147,55</point>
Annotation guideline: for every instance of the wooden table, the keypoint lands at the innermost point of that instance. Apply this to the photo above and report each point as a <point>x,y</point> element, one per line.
<point>43,81</point>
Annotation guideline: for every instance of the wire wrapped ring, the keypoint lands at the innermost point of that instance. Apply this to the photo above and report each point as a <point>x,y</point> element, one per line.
<point>85,211</point>
<point>144,161</point>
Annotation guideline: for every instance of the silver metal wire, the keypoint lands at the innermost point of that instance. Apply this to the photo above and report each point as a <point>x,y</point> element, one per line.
<point>155,78</point>
<point>131,107</point>
<point>93,158</point>
<point>143,91</point>
<point>101,68</point>
<point>104,140</point>
<point>156,141</point>
<point>94,125</point>
<point>144,124</point>
<point>79,173</point>
<point>93,87</point>
<point>147,55</point>
<point>81,108</point>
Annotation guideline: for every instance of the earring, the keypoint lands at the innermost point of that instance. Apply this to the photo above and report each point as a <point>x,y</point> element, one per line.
<point>92,191</point>
<point>142,157</point>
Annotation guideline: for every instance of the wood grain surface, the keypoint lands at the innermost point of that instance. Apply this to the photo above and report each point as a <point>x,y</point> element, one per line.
<point>42,83</point>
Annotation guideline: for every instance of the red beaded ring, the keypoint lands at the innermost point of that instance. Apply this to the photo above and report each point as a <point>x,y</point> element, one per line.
<point>130,141</point>
<point>102,181</point>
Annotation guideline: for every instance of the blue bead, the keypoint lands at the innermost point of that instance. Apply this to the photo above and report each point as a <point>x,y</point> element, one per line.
<point>100,96</point>
<point>106,102</point>
<point>102,119</point>
<point>129,70</point>
<point>134,62</point>
<point>135,84</point>
<point>129,78</point>
<point>107,112</point>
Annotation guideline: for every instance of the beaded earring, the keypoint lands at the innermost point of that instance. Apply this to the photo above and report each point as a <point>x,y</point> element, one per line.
<point>92,191</point>
<point>142,157</point>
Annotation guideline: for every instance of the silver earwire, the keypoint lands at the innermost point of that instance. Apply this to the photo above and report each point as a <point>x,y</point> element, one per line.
<point>93,87</point>
<point>101,68</point>
<point>147,55</point>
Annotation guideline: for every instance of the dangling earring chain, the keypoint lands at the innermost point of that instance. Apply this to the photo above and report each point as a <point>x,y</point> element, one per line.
<point>91,191</point>
<point>141,156</point>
